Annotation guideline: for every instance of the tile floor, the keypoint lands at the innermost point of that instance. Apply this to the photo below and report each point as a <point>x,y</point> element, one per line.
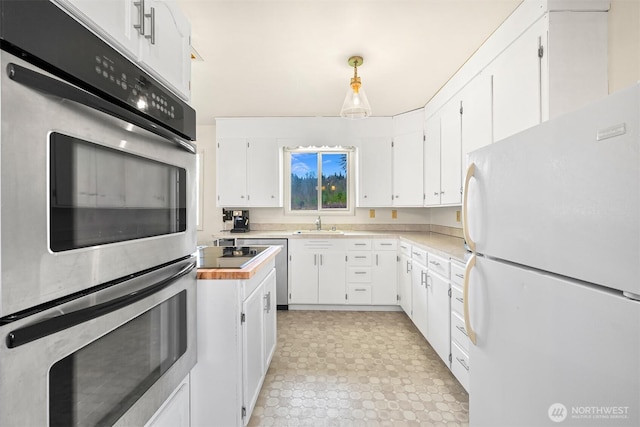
<point>336,368</point>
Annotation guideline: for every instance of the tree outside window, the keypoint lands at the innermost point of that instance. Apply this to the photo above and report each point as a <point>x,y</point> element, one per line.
<point>319,181</point>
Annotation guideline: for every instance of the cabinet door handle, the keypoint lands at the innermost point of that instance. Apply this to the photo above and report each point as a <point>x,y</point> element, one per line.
<point>267,302</point>
<point>315,259</point>
<point>321,258</point>
<point>435,193</point>
<point>465,208</point>
<point>140,25</point>
<point>376,259</point>
<point>152,17</point>
<point>408,266</point>
<point>467,320</point>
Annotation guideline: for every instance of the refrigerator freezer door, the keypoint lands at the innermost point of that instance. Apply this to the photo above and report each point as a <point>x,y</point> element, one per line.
<point>564,196</point>
<point>545,343</point>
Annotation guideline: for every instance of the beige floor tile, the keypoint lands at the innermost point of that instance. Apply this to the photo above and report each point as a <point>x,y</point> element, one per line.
<point>352,369</point>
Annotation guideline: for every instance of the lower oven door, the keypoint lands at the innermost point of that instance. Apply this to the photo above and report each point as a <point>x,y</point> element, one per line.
<point>109,358</point>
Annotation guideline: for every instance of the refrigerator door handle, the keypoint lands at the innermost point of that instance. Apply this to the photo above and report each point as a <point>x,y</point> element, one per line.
<point>465,217</point>
<point>465,295</point>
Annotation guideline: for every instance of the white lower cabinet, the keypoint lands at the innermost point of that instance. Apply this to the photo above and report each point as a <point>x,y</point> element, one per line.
<point>317,271</point>
<point>372,272</point>
<point>404,277</point>
<point>174,412</point>
<point>419,292</point>
<point>459,338</point>
<point>438,307</point>
<point>236,341</point>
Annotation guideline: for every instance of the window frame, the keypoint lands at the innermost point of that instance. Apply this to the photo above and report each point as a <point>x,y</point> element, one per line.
<point>351,154</point>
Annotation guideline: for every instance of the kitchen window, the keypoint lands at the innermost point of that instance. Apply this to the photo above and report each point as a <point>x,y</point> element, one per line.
<point>318,180</point>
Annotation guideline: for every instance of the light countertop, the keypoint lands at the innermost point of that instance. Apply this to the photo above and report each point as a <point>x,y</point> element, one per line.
<point>439,244</point>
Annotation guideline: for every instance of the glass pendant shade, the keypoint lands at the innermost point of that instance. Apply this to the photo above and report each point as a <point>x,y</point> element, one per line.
<point>356,105</point>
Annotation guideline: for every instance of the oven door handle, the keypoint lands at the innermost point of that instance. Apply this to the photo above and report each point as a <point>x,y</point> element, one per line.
<point>59,323</point>
<point>51,86</point>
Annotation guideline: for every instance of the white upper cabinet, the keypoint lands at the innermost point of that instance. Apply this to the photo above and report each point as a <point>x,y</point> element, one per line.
<point>407,169</point>
<point>558,65</point>
<point>374,172</point>
<point>248,172</point>
<point>264,177</point>
<point>450,160</point>
<point>516,84</point>
<point>442,161</point>
<point>153,33</point>
<point>476,115</point>
<point>407,158</point>
<point>166,48</point>
<point>231,172</point>
<point>432,161</point>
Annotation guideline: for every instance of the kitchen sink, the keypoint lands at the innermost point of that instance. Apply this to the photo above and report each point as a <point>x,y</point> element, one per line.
<point>318,232</point>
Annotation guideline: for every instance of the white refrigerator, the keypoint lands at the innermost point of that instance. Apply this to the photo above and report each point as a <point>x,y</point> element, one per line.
<point>552,216</point>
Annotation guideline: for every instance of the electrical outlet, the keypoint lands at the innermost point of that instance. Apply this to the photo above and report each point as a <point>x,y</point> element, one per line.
<point>457,216</point>
<point>372,213</point>
<point>394,214</point>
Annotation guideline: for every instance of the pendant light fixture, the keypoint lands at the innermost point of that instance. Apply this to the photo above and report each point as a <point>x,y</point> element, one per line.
<point>356,105</point>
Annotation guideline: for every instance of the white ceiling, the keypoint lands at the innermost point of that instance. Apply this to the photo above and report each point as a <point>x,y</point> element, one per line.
<point>289,57</point>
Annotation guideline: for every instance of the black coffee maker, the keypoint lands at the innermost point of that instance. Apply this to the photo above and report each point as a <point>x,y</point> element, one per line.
<point>240,221</point>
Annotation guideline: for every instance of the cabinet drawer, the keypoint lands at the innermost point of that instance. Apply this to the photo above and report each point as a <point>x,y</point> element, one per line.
<point>385,244</point>
<point>405,248</point>
<point>358,258</point>
<point>457,300</point>
<point>460,365</point>
<point>457,273</point>
<point>419,255</point>
<point>359,275</point>
<point>358,245</point>
<point>359,294</point>
<point>458,331</point>
<point>439,265</point>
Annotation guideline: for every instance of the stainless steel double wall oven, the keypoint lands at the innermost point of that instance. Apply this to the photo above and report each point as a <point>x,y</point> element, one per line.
<point>97,228</point>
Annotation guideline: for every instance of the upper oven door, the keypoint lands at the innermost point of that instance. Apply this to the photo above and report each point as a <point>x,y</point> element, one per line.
<point>87,196</point>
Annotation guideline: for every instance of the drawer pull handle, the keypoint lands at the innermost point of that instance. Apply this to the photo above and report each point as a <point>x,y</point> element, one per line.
<point>461,361</point>
<point>460,275</point>
<point>386,244</point>
<point>360,272</point>
<point>360,244</point>
<point>460,299</point>
<point>361,257</point>
<point>360,290</point>
<point>436,263</point>
<point>461,329</point>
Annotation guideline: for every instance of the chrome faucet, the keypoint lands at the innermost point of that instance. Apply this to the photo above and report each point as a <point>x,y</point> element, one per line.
<point>318,223</point>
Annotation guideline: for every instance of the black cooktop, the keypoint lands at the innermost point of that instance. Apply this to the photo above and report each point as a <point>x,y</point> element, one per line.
<point>228,256</point>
